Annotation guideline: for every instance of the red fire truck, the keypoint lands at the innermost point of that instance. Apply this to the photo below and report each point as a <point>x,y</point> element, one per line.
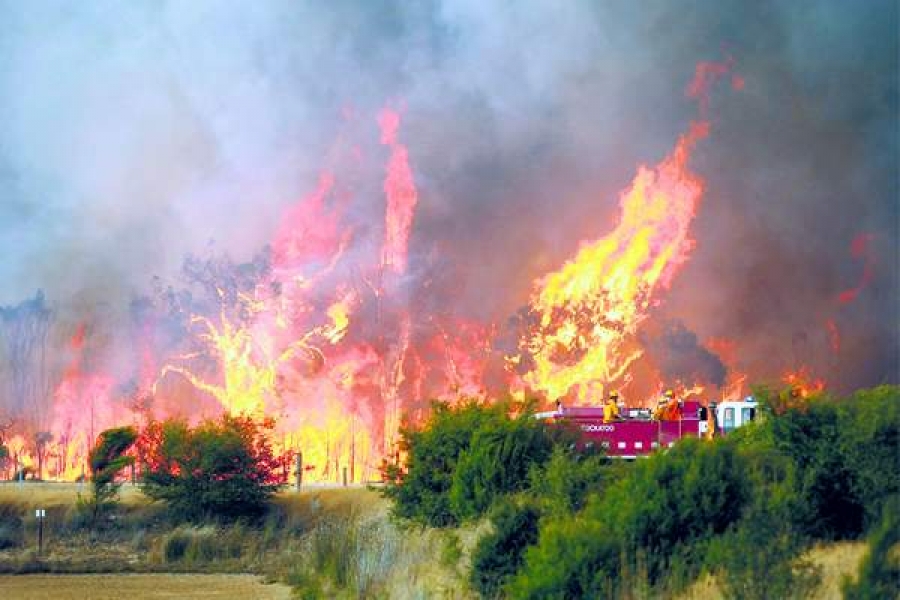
<point>635,433</point>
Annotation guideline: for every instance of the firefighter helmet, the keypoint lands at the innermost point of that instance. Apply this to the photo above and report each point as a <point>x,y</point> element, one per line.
<point>670,394</point>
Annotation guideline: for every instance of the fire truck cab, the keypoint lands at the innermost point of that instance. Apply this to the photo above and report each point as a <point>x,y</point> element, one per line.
<point>732,414</point>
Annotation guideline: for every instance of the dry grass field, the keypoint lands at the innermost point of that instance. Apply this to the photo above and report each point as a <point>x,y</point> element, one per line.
<point>319,535</point>
<point>139,587</point>
<point>835,560</point>
<point>45,495</point>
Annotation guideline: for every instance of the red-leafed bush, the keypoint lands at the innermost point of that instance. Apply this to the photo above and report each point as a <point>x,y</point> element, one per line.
<point>224,468</point>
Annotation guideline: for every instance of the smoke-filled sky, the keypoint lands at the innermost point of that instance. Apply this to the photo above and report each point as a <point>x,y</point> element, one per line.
<point>134,133</point>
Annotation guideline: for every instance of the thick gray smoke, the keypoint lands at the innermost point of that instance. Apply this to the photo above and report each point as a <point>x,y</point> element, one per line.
<point>134,133</point>
<point>681,357</point>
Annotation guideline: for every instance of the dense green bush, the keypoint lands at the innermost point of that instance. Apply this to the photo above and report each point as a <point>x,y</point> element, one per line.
<point>499,554</point>
<point>847,455</point>
<point>869,423</point>
<point>745,507</point>
<point>421,487</point>
<point>575,557</point>
<point>764,540</point>
<point>466,456</point>
<point>563,483</point>
<point>497,461</point>
<point>668,506</point>
<point>222,469</point>
<point>674,500</point>
<point>810,437</point>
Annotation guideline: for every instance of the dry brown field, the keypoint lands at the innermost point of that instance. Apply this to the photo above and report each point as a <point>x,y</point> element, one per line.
<point>835,561</point>
<point>139,587</point>
<point>56,494</point>
<point>412,559</point>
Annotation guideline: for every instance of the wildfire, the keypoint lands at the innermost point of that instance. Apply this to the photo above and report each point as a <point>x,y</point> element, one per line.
<point>589,310</point>
<point>323,341</point>
<point>282,353</point>
<point>802,384</point>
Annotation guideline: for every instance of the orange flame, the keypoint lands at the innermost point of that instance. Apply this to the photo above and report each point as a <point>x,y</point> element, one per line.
<point>802,384</point>
<point>590,308</point>
<point>400,192</point>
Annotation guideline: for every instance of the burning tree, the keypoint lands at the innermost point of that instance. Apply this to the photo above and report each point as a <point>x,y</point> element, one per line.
<point>40,443</point>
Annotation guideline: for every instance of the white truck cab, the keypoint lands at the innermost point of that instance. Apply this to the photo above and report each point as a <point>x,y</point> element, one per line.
<point>732,414</point>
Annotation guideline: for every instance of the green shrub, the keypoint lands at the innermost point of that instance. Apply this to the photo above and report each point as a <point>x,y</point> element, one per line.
<point>497,462</point>
<point>879,573</point>
<point>563,483</point>
<point>421,490</point>
<point>759,557</point>
<point>869,425</point>
<point>575,557</point>
<point>175,546</point>
<point>498,555</point>
<point>221,469</point>
<point>676,499</point>
<point>106,459</point>
<point>667,506</point>
<point>810,436</point>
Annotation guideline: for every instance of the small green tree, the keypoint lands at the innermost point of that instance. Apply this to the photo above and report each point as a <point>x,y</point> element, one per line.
<point>223,468</point>
<point>106,459</point>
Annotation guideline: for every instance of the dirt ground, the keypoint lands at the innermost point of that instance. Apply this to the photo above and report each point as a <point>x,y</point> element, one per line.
<point>138,587</point>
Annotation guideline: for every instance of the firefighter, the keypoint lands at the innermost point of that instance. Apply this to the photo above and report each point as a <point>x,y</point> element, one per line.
<point>673,410</point>
<point>661,404</point>
<point>611,408</point>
